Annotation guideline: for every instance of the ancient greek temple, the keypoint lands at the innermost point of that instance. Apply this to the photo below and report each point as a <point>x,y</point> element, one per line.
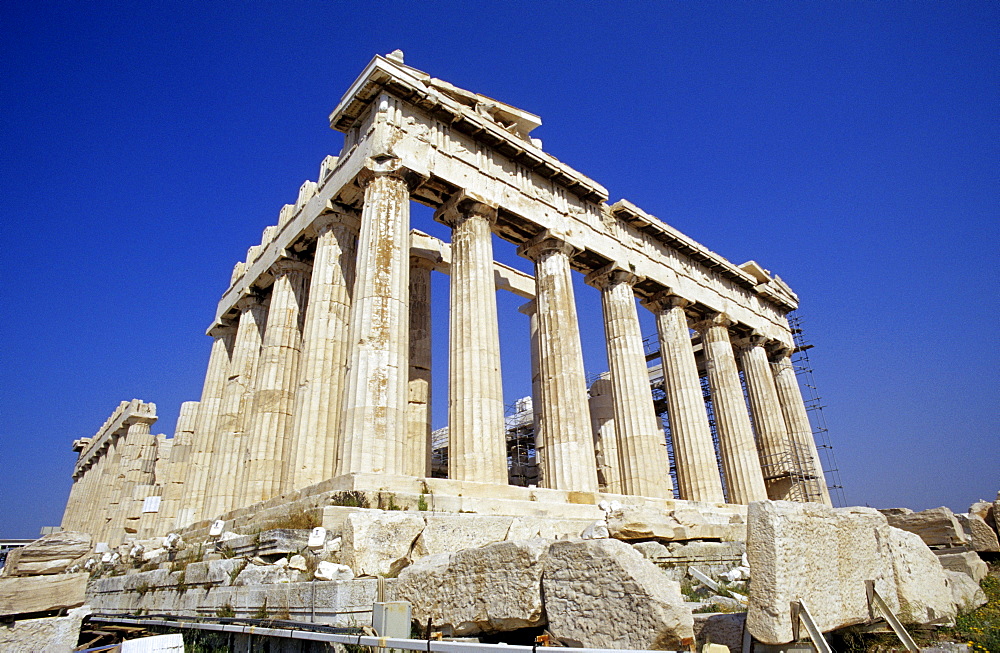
<point>320,365</point>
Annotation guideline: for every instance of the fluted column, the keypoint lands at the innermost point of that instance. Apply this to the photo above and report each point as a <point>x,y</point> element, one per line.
<point>174,485</point>
<point>602,420</point>
<point>71,515</point>
<point>203,440</point>
<point>133,447</point>
<point>531,310</point>
<point>374,426</point>
<point>694,452</point>
<point>642,449</point>
<point>274,391</point>
<point>319,399</point>
<point>773,445</point>
<point>229,445</point>
<point>418,407</point>
<point>570,463</point>
<point>797,421</point>
<point>744,480</point>
<point>477,449</point>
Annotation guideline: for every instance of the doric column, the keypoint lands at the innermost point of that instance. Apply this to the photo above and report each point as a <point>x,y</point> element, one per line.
<point>374,426</point>
<point>274,391</point>
<point>602,420</point>
<point>133,447</point>
<point>694,452</point>
<point>229,444</point>
<point>477,449</point>
<point>531,310</point>
<point>642,448</point>
<point>203,440</point>
<point>744,481</point>
<point>773,445</point>
<point>77,491</point>
<point>797,423</point>
<point>418,406</point>
<point>569,458</point>
<point>173,486</point>
<point>319,399</point>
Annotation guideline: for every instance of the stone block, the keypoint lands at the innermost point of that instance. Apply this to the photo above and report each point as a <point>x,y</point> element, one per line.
<point>965,592</point>
<point>332,571</point>
<point>604,594</point>
<point>26,594</point>
<point>720,628</point>
<point>45,635</point>
<point>921,584</point>
<point>817,554</point>
<point>278,541</point>
<point>936,526</point>
<point>984,510</point>
<point>645,523</point>
<point>981,536</point>
<point>490,589</point>
<point>378,543</point>
<point>967,562</point>
<point>51,554</point>
<point>451,533</point>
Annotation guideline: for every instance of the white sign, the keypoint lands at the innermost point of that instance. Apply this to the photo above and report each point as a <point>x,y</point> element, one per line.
<point>217,527</point>
<point>151,504</point>
<point>317,537</point>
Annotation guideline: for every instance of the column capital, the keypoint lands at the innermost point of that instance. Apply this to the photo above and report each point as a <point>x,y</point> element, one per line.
<point>422,262</point>
<point>753,339</point>
<point>545,242</point>
<point>334,216</point>
<point>248,301</point>
<point>388,167</point>
<point>776,351</point>
<point>713,320</point>
<point>529,308</point>
<point>665,300</point>
<point>462,206</point>
<point>286,265</point>
<point>222,330</point>
<point>612,275</point>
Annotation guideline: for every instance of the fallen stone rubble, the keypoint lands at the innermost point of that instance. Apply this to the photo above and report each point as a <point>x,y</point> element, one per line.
<point>622,581</point>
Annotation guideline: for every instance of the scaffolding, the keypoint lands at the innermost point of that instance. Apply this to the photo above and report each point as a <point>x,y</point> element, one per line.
<point>794,464</point>
<point>814,408</point>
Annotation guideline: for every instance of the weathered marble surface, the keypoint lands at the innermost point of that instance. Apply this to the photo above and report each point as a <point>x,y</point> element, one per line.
<point>489,589</point>
<point>604,594</point>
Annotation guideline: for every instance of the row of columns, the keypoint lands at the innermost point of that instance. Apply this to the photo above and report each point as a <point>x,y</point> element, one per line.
<point>300,391</point>
<point>108,493</point>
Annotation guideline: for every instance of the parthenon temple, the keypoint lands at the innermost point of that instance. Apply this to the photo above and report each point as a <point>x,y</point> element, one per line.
<point>320,368</point>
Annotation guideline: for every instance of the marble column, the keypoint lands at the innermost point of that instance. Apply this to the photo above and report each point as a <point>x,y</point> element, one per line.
<point>477,449</point>
<point>570,462</point>
<point>740,463</point>
<point>642,448</point>
<point>531,310</point>
<point>274,390</point>
<point>602,420</point>
<point>174,485</point>
<point>418,406</point>
<point>71,515</point>
<point>797,424</point>
<point>229,445</point>
<point>202,452</point>
<point>375,426</point>
<point>132,448</point>
<point>323,362</point>
<point>773,445</point>
<point>698,476</point>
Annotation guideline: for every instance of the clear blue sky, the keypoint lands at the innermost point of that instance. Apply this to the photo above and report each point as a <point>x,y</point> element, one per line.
<point>850,147</point>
